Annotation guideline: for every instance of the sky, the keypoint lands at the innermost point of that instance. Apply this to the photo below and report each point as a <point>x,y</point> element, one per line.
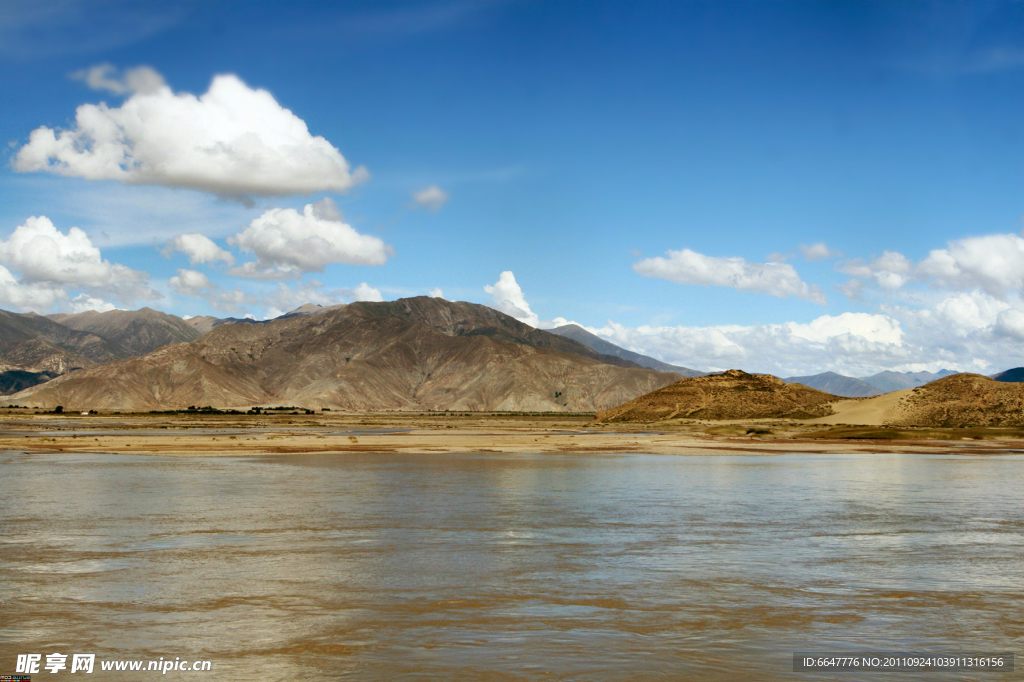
<point>784,187</point>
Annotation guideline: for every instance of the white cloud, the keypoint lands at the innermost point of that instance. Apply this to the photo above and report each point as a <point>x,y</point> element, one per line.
<point>84,303</point>
<point>287,244</point>
<point>853,289</point>
<point>37,296</point>
<point>199,249</point>
<point>232,141</point>
<point>436,292</point>
<point>853,343</point>
<point>872,328</point>
<point>364,292</point>
<point>431,198</point>
<point>190,282</point>
<point>1011,323</point>
<point>509,299</point>
<point>327,209</point>
<point>105,77</point>
<point>967,331</point>
<point>690,267</point>
<point>52,260</point>
<point>819,251</point>
<point>994,263</point>
<point>889,271</point>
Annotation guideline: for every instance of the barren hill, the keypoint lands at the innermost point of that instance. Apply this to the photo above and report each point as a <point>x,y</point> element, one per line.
<point>731,395</point>
<point>34,349</point>
<point>416,353</point>
<point>961,400</point>
<point>137,331</point>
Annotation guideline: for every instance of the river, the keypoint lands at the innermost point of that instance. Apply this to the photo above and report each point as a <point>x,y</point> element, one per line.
<point>509,567</point>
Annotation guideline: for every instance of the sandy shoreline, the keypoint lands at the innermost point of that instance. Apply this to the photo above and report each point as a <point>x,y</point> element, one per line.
<point>232,435</point>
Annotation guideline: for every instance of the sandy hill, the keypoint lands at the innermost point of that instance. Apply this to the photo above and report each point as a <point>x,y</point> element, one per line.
<point>594,342</point>
<point>415,353</point>
<point>954,401</point>
<point>34,349</point>
<point>836,384</point>
<point>731,395</point>
<point>137,331</point>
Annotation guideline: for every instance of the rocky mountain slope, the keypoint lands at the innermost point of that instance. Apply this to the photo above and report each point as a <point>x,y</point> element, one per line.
<point>416,353</point>
<point>594,342</point>
<point>836,384</point>
<point>137,331</point>
<point>34,349</point>
<point>734,394</point>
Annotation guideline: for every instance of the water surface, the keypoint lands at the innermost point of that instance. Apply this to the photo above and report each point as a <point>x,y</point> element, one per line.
<point>477,567</point>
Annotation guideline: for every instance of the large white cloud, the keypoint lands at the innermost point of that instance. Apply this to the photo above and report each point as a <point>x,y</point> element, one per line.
<point>199,249</point>
<point>508,298</point>
<point>287,244</point>
<point>50,261</point>
<point>232,141</point>
<point>690,267</point>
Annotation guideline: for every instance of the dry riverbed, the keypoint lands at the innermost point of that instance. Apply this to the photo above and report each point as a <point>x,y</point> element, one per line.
<point>210,435</point>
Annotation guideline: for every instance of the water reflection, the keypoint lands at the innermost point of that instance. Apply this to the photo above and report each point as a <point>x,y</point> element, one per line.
<point>380,566</point>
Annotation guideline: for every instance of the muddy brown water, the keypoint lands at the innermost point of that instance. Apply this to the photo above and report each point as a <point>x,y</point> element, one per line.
<point>509,567</point>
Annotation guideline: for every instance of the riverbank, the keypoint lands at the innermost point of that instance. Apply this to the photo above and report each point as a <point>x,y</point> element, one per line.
<point>212,435</point>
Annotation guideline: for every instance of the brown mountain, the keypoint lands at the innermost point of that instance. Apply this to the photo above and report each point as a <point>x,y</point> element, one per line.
<point>34,349</point>
<point>731,395</point>
<point>137,331</point>
<point>415,353</point>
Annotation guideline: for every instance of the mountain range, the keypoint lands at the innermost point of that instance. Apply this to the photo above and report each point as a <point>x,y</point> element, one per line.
<point>35,350</point>
<point>414,353</point>
<point>862,387</point>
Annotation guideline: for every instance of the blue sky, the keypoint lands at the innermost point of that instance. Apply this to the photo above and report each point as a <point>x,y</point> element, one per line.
<point>576,143</point>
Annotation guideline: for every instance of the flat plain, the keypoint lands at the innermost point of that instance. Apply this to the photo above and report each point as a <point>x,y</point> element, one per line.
<point>275,433</point>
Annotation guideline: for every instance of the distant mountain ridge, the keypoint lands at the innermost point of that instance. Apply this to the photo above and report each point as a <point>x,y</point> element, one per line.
<point>594,342</point>
<point>837,384</point>
<point>862,387</point>
<point>136,331</point>
<point>414,353</point>
<point>889,381</point>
